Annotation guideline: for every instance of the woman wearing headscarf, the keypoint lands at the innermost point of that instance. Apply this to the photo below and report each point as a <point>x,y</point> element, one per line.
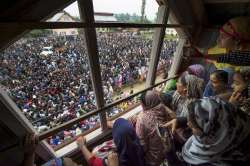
<point>189,87</point>
<point>128,148</point>
<point>241,90</point>
<point>154,114</point>
<point>234,36</point>
<point>221,135</point>
<point>218,85</point>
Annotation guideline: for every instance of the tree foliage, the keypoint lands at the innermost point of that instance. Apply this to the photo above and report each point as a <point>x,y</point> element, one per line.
<point>131,18</point>
<point>39,33</point>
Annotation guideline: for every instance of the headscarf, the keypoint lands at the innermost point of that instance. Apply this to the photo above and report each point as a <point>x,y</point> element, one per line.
<point>224,131</point>
<point>170,85</point>
<point>151,99</point>
<point>153,107</point>
<point>239,29</point>
<point>197,70</point>
<point>129,150</point>
<point>194,85</point>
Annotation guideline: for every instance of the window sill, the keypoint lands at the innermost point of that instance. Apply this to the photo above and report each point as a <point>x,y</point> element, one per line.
<point>72,147</point>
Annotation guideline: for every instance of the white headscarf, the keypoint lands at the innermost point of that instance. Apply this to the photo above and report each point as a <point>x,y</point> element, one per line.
<point>224,130</point>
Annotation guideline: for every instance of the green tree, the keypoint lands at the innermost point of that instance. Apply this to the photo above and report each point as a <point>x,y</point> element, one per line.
<point>134,18</point>
<point>39,33</point>
<point>143,5</point>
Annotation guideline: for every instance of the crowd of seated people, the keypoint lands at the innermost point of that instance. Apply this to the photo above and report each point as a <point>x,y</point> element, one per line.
<point>192,122</point>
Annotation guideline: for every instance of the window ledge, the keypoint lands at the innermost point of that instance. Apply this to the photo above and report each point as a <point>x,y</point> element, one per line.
<point>70,148</point>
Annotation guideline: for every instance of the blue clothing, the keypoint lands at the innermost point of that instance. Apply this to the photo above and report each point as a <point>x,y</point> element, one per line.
<point>129,150</point>
<point>208,90</point>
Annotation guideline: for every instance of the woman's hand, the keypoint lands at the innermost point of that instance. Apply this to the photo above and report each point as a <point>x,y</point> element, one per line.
<point>81,141</point>
<point>236,98</point>
<point>113,159</point>
<point>171,124</point>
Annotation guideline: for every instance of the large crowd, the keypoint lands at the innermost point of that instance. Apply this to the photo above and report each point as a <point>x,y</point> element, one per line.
<point>201,118</point>
<point>52,89</point>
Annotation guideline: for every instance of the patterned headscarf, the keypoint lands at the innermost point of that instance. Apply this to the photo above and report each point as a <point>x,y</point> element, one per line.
<point>224,131</point>
<point>197,70</point>
<point>151,99</point>
<point>153,107</point>
<point>239,29</point>
<point>194,84</point>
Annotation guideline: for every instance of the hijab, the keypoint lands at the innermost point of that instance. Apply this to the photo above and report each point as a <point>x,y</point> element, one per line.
<point>197,70</point>
<point>194,86</point>
<point>238,29</point>
<point>151,99</point>
<point>153,107</point>
<point>224,130</point>
<point>129,150</point>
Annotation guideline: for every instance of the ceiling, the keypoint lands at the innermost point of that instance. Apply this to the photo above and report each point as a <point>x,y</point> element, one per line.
<point>200,14</point>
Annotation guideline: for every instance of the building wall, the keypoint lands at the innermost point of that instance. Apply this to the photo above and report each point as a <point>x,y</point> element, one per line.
<point>71,31</point>
<point>171,32</point>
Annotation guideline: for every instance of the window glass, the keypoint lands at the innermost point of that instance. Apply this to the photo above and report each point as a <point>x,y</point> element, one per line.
<point>167,54</point>
<point>134,11</point>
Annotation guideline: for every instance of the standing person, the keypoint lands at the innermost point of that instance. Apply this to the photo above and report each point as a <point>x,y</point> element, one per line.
<point>189,88</point>
<point>154,113</point>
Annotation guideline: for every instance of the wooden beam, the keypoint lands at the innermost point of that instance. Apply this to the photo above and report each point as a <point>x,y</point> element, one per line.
<point>89,34</point>
<point>177,58</point>
<point>226,1</point>
<point>35,12</point>
<point>65,25</point>
<point>158,37</point>
<point>201,19</point>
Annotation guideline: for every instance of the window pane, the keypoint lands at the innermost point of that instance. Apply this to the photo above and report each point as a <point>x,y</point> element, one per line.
<point>124,57</point>
<point>167,54</point>
<point>69,14</point>
<point>125,11</point>
<point>48,78</point>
